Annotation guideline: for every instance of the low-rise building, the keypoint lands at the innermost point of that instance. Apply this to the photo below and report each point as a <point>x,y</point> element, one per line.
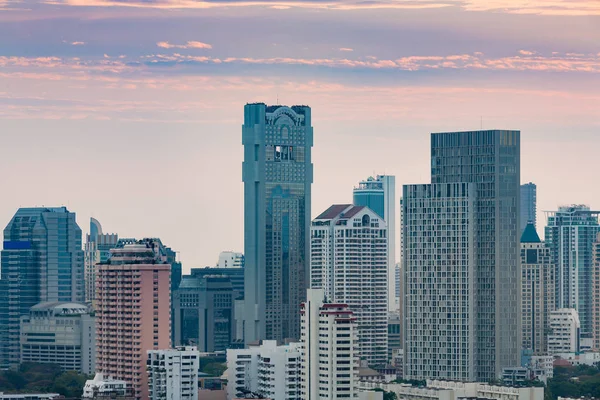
<point>30,396</point>
<point>266,370</point>
<point>173,373</point>
<point>564,331</point>
<point>60,333</point>
<point>106,387</point>
<point>447,390</point>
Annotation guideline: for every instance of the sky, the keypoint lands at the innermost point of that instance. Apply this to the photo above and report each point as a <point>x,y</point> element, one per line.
<point>131,111</point>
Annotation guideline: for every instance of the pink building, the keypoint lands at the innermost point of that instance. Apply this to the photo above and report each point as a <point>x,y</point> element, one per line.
<point>133,306</point>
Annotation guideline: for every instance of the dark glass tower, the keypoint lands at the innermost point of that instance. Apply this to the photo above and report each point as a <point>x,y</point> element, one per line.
<point>277,174</point>
<point>491,160</point>
<point>42,260</point>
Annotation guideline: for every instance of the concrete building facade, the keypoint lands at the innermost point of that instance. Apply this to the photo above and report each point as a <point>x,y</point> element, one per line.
<point>60,333</point>
<point>379,194</point>
<point>230,259</point>
<point>173,374</point>
<point>97,250</point>
<point>329,349</point>
<point>133,307</point>
<point>537,293</point>
<point>349,261</point>
<point>564,334</point>
<point>277,173</point>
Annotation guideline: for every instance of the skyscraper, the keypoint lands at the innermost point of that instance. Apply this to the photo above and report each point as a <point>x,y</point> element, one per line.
<point>328,348</point>
<point>474,199</point>
<point>379,194</point>
<point>133,307</point>
<point>97,248</point>
<point>277,174</point>
<point>349,261</point>
<point>537,301</point>
<point>596,294</point>
<point>570,234</point>
<point>42,261</point>
<point>528,205</point>
<point>440,277</point>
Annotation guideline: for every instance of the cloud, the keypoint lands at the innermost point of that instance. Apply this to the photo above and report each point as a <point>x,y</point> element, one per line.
<point>77,43</point>
<point>192,44</point>
<point>345,49</point>
<point>526,52</point>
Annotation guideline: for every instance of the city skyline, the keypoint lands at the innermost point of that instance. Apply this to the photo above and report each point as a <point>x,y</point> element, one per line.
<point>168,106</point>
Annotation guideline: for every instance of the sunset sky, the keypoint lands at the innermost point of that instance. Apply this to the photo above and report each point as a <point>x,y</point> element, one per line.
<point>131,111</point>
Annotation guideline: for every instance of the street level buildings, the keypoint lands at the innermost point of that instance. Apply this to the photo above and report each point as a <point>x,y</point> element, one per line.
<point>60,333</point>
<point>570,234</point>
<point>465,224</point>
<point>537,293</point>
<point>132,311</point>
<point>349,261</point>
<point>277,173</point>
<point>173,374</point>
<point>41,261</point>
<point>379,194</point>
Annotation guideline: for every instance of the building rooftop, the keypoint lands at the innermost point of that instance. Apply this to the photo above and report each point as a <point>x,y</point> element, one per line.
<point>530,234</point>
<point>60,308</point>
<point>333,211</point>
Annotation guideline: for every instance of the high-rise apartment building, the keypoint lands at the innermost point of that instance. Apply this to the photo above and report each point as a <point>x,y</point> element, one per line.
<point>474,204</point>
<point>204,312</point>
<point>230,259</point>
<point>277,174</point>
<point>394,336</point>
<point>528,205</point>
<point>564,332</point>
<point>596,294</point>
<point>570,234</point>
<point>235,275</point>
<point>440,280</point>
<point>266,370</point>
<point>42,261</point>
<point>97,250</point>
<point>349,261</point>
<point>173,374</point>
<point>60,333</point>
<point>329,349</point>
<point>379,194</point>
<point>537,293</point>
<point>133,307</point>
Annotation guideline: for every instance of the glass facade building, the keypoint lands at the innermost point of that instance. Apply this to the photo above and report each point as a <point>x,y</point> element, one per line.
<point>42,261</point>
<point>528,205</point>
<point>277,173</point>
<point>570,234</point>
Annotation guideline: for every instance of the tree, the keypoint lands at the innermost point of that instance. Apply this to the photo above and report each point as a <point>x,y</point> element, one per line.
<point>214,369</point>
<point>70,384</point>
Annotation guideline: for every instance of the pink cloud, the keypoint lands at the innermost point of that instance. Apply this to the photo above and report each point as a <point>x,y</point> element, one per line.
<point>345,49</point>
<point>191,44</point>
<point>77,43</point>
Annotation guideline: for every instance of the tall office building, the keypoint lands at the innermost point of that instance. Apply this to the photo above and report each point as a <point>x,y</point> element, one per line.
<point>42,261</point>
<point>570,234</point>
<point>133,306</point>
<point>328,348</point>
<point>277,174</point>
<point>537,293</point>
<point>60,333</point>
<point>204,312</point>
<point>230,259</point>
<point>379,194</point>
<point>97,250</point>
<point>474,199</point>
<point>440,278</point>
<point>528,205</point>
<point>173,374</point>
<point>349,261</point>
